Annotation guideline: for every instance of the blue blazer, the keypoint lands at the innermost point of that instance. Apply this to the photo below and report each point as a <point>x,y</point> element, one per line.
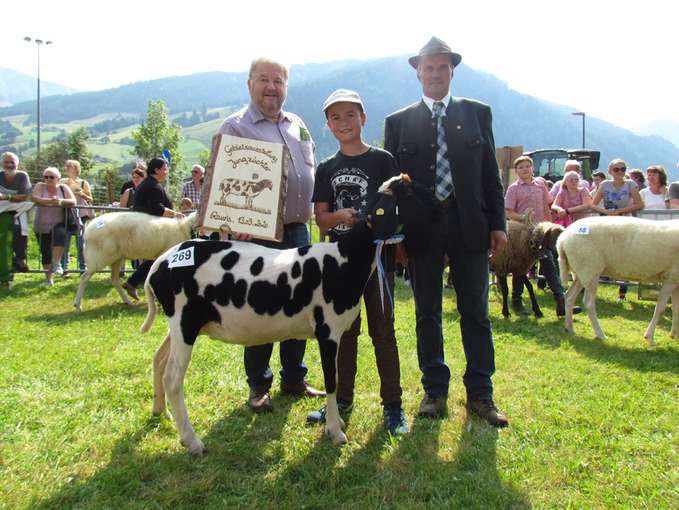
<point>410,135</point>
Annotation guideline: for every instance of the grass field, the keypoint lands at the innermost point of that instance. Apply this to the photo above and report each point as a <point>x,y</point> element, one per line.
<point>203,132</point>
<point>196,138</point>
<point>112,151</point>
<point>593,424</point>
<point>191,150</point>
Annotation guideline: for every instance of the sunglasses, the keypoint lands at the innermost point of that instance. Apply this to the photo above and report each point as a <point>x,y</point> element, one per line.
<point>49,176</point>
<point>195,172</point>
<point>618,169</point>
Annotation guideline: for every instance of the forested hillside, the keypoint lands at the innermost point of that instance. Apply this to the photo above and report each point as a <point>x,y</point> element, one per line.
<point>385,84</point>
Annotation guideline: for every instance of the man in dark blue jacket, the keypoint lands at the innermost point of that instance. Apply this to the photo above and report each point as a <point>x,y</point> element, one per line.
<point>446,143</point>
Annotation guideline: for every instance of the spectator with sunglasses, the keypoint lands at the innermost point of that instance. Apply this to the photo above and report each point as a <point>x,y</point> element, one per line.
<point>620,198</point>
<point>193,188</point>
<point>50,225</point>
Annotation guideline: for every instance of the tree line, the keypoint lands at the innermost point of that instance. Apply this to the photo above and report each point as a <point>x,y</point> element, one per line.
<point>155,136</point>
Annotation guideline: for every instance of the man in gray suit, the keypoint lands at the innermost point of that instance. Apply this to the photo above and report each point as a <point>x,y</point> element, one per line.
<point>446,143</point>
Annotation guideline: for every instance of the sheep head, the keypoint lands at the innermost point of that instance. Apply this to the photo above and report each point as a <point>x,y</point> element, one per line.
<point>544,236</point>
<point>192,220</point>
<point>419,212</point>
<point>528,217</point>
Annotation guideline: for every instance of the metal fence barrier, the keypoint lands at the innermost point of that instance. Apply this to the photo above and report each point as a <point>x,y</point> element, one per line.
<point>659,214</point>
<point>646,291</point>
<point>104,208</point>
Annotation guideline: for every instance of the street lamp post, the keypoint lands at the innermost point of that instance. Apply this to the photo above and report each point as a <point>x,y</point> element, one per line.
<point>38,43</point>
<point>581,114</point>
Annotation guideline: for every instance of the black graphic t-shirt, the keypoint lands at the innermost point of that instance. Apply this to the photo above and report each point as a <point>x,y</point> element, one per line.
<point>351,181</point>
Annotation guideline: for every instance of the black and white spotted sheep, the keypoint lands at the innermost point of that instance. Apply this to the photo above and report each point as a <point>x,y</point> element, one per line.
<point>246,294</point>
<point>243,188</point>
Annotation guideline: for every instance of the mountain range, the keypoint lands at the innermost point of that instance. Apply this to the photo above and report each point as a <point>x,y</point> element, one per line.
<point>385,85</point>
<point>663,127</point>
<point>16,87</point>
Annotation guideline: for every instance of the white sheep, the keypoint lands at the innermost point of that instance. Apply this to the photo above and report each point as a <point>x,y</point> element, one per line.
<point>624,248</point>
<point>113,237</point>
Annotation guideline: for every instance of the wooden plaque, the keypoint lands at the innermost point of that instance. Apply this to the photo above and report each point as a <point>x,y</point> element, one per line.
<point>244,190</point>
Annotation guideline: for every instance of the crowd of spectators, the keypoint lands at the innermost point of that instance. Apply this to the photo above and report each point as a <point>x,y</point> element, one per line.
<point>50,200</point>
<point>620,193</point>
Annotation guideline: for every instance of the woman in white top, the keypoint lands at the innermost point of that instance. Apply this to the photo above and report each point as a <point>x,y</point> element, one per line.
<point>654,195</point>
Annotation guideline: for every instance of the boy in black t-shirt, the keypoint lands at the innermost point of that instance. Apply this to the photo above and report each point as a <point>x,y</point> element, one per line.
<point>344,185</point>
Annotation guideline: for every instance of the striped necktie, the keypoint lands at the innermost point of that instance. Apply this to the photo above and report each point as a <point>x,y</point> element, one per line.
<point>444,177</point>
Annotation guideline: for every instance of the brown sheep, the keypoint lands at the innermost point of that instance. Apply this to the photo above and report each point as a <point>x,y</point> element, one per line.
<point>525,242</point>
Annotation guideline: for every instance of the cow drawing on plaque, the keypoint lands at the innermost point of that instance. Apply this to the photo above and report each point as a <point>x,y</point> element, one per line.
<point>243,188</point>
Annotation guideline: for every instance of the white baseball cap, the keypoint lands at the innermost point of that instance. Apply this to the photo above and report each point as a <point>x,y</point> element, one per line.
<point>343,96</point>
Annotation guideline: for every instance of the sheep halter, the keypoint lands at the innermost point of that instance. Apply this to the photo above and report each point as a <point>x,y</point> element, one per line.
<point>380,243</point>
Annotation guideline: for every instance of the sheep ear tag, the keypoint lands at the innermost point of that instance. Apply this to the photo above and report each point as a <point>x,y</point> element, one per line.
<point>379,212</point>
<point>182,258</point>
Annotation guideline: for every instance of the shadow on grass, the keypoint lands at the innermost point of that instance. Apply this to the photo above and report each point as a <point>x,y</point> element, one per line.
<point>643,359</point>
<point>551,334</point>
<point>239,457</point>
<point>404,472</point>
<point>98,287</point>
<point>108,311</point>
<point>246,467</point>
<point>470,478</point>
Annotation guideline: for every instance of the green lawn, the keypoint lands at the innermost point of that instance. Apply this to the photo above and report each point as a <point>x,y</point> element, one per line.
<point>593,424</point>
<point>113,151</point>
<point>203,132</point>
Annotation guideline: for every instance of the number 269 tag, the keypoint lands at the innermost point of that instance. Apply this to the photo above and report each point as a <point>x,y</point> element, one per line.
<point>182,258</point>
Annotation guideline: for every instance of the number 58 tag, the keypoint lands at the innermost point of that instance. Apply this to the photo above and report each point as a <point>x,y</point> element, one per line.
<point>182,258</point>
<point>582,230</point>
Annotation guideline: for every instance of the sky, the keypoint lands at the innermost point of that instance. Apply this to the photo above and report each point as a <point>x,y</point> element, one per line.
<point>616,60</point>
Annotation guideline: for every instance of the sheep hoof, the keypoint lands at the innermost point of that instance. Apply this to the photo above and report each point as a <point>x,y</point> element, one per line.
<point>539,315</point>
<point>337,437</point>
<point>649,340</point>
<point>77,307</point>
<point>196,449</point>
<point>158,412</point>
